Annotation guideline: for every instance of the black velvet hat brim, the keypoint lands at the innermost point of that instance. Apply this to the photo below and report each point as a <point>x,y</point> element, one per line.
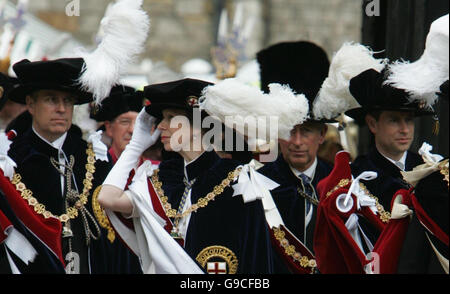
<point>6,83</point>
<point>122,99</point>
<point>19,93</point>
<point>322,121</point>
<point>443,92</point>
<point>359,114</point>
<point>3,99</point>
<point>175,94</point>
<point>60,74</point>
<point>372,94</point>
<point>156,109</point>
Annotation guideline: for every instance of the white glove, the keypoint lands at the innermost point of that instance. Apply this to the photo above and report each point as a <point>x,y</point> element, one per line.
<point>141,140</point>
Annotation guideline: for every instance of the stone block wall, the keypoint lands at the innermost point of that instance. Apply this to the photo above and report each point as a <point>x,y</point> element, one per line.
<point>186,29</point>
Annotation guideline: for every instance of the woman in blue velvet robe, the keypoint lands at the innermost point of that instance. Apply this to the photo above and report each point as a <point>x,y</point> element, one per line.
<point>223,234</point>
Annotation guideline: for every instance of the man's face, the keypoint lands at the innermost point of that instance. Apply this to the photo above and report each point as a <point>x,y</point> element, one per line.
<point>394,131</point>
<point>301,149</point>
<point>52,112</point>
<point>121,130</point>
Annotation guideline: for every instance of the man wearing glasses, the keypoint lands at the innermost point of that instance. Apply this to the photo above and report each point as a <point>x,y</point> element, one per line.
<point>119,112</point>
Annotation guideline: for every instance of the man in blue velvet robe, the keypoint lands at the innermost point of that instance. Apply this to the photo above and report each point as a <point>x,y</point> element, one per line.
<point>417,255</point>
<point>118,112</point>
<point>390,118</point>
<point>303,66</point>
<point>55,163</point>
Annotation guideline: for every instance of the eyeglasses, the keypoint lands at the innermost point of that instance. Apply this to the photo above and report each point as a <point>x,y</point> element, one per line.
<point>124,122</point>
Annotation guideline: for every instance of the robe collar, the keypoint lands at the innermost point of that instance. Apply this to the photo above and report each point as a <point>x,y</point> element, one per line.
<point>200,165</point>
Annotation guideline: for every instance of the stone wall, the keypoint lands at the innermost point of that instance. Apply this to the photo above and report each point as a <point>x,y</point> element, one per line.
<point>186,29</point>
<point>328,23</point>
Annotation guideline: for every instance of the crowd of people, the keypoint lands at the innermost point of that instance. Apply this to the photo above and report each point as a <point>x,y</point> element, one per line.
<point>137,197</point>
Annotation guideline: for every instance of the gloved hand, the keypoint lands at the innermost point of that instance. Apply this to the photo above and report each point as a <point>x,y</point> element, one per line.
<point>141,140</point>
<point>142,134</point>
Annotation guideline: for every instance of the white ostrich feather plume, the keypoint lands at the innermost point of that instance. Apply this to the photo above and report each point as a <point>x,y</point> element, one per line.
<point>334,97</point>
<point>125,27</point>
<point>421,79</point>
<point>236,103</point>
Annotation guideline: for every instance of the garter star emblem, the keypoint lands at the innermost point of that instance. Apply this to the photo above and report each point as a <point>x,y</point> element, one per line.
<point>218,260</point>
<point>192,101</point>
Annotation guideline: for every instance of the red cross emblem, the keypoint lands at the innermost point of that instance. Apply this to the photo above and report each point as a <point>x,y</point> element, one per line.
<point>216,268</point>
<point>192,101</point>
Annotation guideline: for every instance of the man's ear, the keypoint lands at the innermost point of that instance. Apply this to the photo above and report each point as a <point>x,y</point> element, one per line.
<point>323,133</point>
<point>108,129</point>
<point>371,123</point>
<point>30,103</point>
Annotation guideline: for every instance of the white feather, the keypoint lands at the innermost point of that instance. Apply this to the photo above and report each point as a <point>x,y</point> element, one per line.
<point>125,27</point>
<point>239,106</point>
<point>422,79</point>
<point>334,97</point>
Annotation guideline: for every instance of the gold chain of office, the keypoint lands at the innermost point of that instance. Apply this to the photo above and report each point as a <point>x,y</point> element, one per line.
<point>71,212</point>
<point>202,202</point>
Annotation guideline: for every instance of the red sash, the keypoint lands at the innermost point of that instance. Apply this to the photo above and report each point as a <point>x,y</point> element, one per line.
<point>157,206</point>
<point>47,230</point>
<point>390,242</point>
<point>427,222</point>
<point>5,223</point>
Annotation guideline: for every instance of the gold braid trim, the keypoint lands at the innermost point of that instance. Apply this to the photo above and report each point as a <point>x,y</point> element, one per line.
<point>71,212</point>
<point>291,251</point>
<point>385,216</point>
<point>443,168</point>
<point>100,215</point>
<point>342,183</point>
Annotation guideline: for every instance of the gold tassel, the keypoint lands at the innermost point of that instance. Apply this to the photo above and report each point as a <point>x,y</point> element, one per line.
<point>436,127</point>
<point>5,63</point>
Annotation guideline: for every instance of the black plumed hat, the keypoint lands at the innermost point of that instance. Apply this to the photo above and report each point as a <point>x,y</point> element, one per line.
<point>7,83</point>
<point>443,91</point>
<point>301,65</point>
<point>180,94</point>
<point>121,100</point>
<point>60,74</point>
<point>372,94</point>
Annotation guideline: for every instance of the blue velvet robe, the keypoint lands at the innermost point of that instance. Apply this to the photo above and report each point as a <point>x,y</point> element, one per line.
<point>226,221</point>
<point>389,179</point>
<point>32,156</point>
<point>289,203</point>
<point>417,255</point>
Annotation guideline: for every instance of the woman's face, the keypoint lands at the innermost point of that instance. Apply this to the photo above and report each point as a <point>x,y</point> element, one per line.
<point>176,130</point>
